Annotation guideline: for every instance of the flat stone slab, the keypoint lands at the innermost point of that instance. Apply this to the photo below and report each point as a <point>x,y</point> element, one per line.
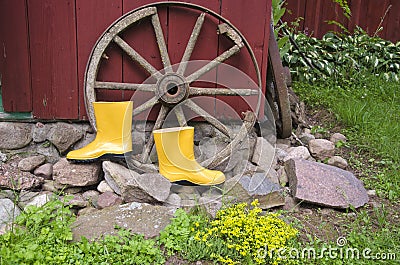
<point>325,185</point>
<point>77,175</point>
<point>140,218</point>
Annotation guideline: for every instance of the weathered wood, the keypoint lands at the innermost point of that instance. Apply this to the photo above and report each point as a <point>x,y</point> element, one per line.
<point>148,104</point>
<point>248,123</point>
<point>53,59</point>
<point>204,91</point>
<point>125,86</point>
<point>191,43</point>
<point>155,20</point>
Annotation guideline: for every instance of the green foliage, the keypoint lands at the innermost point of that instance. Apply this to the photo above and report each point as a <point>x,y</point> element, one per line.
<point>238,235</point>
<point>345,7</point>
<point>369,107</point>
<point>343,57</point>
<point>43,236</point>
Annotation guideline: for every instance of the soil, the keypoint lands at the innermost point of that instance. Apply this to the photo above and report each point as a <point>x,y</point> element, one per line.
<point>329,224</point>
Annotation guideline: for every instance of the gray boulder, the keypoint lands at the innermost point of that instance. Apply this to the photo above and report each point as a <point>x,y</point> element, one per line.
<point>79,175</point>
<point>321,148</point>
<point>15,135</point>
<point>325,185</point>
<point>8,212</point>
<point>31,162</point>
<point>140,218</point>
<point>148,187</point>
<point>64,135</point>
<point>259,186</point>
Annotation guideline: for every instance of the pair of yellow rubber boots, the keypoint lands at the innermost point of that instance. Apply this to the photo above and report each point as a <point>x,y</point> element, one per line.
<point>174,145</point>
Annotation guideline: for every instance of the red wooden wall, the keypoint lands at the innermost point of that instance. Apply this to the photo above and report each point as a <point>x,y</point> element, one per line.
<point>365,13</point>
<point>45,45</point>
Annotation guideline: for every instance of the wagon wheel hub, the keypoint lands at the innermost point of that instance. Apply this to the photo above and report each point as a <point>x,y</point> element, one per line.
<point>172,89</point>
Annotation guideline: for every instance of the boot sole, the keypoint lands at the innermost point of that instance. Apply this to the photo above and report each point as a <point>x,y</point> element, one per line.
<point>111,157</point>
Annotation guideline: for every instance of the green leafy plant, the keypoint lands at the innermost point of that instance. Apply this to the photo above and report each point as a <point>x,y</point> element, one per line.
<point>343,56</point>
<point>42,235</point>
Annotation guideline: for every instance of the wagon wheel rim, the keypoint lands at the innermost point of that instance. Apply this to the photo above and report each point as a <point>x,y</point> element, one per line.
<point>277,96</point>
<point>167,79</point>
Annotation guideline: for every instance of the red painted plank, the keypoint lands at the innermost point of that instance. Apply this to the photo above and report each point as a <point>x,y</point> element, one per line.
<point>52,31</point>
<point>94,17</point>
<point>252,19</point>
<point>393,22</point>
<point>142,38</point>
<point>294,10</point>
<point>14,59</point>
<point>180,25</point>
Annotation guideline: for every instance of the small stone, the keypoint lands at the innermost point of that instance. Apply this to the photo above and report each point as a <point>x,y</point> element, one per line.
<point>104,187</point>
<point>284,147</point>
<point>49,151</point>
<point>73,190</point>
<point>299,152</point>
<point>280,154</point>
<point>45,171</point>
<point>64,135</point>
<point>25,197</point>
<point>282,176</point>
<point>8,211</point>
<point>307,211</point>
<point>3,157</point>
<point>108,199</point>
<point>264,154</point>
<point>12,178</point>
<point>48,185</point>
<point>336,137</point>
<point>325,185</point>
<point>91,196</point>
<point>173,200</point>
<point>79,175</point>
<point>259,186</point>
<point>291,204</point>
<point>337,161</point>
<point>39,200</point>
<point>87,210</point>
<point>32,162</point>
<point>321,148</point>
<point>326,211</point>
<point>40,132</point>
<point>306,138</point>
<point>371,192</point>
<point>15,135</point>
<point>77,201</point>
<point>211,204</point>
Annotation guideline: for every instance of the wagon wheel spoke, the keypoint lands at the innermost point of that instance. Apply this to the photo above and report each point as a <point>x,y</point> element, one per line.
<point>124,86</point>
<point>159,122</point>
<point>148,104</point>
<point>155,21</point>
<point>191,43</point>
<point>216,123</point>
<point>203,91</point>
<point>136,57</point>
<point>214,63</point>
<point>180,116</point>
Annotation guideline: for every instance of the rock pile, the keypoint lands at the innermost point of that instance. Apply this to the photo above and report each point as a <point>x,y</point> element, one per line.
<point>277,174</point>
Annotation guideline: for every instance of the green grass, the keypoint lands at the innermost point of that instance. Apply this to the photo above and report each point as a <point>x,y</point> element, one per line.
<point>369,108</point>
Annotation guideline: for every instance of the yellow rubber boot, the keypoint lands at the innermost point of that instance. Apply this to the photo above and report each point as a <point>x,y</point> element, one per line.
<point>113,138</point>
<point>176,157</point>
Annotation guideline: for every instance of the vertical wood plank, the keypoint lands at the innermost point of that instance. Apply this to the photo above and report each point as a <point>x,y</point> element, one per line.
<point>180,25</point>
<point>52,32</point>
<point>94,17</point>
<point>393,22</point>
<point>141,36</point>
<point>14,57</point>
<point>252,20</point>
<point>294,10</point>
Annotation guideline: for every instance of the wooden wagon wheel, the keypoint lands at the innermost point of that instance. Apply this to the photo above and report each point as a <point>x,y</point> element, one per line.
<point>167,78</point>
<point>277,91</point>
